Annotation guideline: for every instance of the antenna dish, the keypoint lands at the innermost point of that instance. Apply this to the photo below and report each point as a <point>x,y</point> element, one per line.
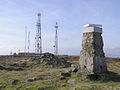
<point>39,14</point>
<point>56,26</point>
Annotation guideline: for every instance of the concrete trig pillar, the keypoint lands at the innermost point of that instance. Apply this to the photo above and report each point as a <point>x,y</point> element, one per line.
<point>92,58</point>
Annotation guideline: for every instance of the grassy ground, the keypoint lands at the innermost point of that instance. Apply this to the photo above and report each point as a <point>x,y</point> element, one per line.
<point>43,77</point>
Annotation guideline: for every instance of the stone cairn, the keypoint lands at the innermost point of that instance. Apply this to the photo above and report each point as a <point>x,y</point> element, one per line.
<point>50,59</point>
<point>92,58</point>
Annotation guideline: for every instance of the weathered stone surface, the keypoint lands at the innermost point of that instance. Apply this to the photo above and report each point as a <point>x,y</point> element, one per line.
<point>66,74</point>
<point>74,70</point>
<point>92,58</point>
<point>15,82</point>
<point>50,59</point>
<point>75,67</point>
<point>34,79</point>
<point>62,78</point>
<point>71,81</point>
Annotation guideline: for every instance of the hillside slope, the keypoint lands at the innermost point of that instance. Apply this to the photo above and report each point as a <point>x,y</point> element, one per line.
<point>29,75</point>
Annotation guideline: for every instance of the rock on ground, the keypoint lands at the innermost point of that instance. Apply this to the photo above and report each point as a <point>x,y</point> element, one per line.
<point>50,59</point>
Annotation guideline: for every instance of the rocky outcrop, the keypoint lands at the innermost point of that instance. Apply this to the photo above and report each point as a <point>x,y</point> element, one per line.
<point>92,58</point>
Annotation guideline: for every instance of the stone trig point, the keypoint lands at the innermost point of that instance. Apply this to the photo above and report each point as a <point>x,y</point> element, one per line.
<point>92,58</point>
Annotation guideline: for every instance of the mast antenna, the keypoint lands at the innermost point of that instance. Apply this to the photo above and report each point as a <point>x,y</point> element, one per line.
<point>25,37</point>
<point>56,39</point>
<point>38,43</point>
<point>28,41</point>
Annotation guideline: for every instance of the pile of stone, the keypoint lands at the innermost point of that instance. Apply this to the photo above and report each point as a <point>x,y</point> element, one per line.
<point>49,59</point>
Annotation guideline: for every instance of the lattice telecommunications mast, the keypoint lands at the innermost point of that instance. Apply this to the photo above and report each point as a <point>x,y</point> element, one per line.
<point>38,43</point>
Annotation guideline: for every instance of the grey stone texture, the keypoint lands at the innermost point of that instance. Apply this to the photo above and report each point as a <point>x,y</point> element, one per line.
<point>71,81</point>
<point>92,58</point>
<point>49,59</point>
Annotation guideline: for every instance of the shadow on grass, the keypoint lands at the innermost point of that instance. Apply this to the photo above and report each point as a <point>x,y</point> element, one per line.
<point>10,69</point>
<point>105,77</point>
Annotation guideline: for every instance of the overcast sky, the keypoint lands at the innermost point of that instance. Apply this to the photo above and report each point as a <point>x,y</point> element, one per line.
<point>71,16</point>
